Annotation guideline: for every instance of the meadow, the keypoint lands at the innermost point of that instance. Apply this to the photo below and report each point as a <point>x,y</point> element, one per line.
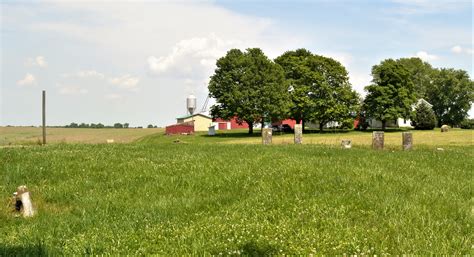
<point>33,135</point>
<point>227,195</point>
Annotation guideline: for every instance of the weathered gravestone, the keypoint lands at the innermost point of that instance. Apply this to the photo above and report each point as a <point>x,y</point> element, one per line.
<point>377,140</point>
<point>407,138</point>
<point>298,134</point>
<point>22,202</point>
<point>346,144</point>
<point>444,128</point>
<point>266,136</point>
<point>212,131</point>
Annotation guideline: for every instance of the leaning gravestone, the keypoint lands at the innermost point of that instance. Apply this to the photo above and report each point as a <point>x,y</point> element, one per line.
<point>298,133</point>
<point>377,140</point>
<point>346,144</point>
<point>407,139</point>
<point>23,202</point>
<point>266,136</point>
<point>444,128</point>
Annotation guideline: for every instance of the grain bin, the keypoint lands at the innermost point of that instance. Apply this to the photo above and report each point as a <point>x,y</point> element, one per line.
<point>191,104</point>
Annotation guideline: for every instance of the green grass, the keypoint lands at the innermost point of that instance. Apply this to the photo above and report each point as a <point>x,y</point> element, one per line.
<point>166,198</point>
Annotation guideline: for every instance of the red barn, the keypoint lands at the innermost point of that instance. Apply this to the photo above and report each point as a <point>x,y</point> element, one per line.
<point>180,128</point>
<point>222,124</point>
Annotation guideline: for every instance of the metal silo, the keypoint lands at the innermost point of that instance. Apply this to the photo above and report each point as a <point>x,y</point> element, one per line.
<point>191,104</point>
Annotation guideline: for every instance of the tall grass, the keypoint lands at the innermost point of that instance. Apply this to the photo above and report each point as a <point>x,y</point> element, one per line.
<point>185,198</point>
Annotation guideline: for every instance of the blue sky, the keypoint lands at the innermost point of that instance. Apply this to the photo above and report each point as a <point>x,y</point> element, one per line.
<point>135,62</point>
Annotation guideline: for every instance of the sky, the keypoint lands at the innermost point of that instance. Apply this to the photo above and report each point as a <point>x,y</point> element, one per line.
<point>136,62</point>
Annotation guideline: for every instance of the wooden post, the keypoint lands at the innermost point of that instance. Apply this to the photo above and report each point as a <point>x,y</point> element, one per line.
<point>44,117</point>
<point>298,134</point>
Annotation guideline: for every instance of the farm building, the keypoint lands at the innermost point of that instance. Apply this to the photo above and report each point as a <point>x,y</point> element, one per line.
<point>180,128</point>
<point>189,124</point>
<point>201,121</point>
<point>400,122</point>
<point>221,124</point>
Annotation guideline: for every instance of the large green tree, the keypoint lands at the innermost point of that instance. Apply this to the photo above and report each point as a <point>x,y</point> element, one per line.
<point>319,87</point>
<point>451,93</point>
<point>421,74</point>
<point>249,86</point>
<point>392,93</point>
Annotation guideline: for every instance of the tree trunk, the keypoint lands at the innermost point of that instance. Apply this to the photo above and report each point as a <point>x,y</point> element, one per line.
<point>250,127</point>
<point>384,125</point>
<point>263,123</point>
<point>321,125</point>
<point>302,126</point>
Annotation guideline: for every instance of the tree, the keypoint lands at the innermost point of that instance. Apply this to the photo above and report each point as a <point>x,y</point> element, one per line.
<point>451,93</point>
<point>118,125</point>
<point>126,125</point>
<point>421,74</point>
<point>100,125</point>
<point>319,87</point>
<point>392,93</point>
<point>335,100</point>
<point>150,126</point>
<point>424,117</point>
<point>300,80</point>
<point>73,125</point>
<point>248,86</point>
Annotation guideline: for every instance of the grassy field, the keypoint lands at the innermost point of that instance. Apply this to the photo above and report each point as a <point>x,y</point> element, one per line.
<point>33,135</point>
<point>208,195</point>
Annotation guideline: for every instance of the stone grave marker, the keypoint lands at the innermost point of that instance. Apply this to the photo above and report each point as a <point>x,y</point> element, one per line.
<point>377,140</point>
<point>407,138</point>
<point>298,134</point>
<point>267,136</point>
<point>346,144</point>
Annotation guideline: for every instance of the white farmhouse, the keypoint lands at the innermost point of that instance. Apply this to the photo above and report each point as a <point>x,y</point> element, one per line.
<point>400,122</point>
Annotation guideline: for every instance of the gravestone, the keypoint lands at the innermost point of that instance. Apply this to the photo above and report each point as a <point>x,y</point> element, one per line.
<point>267,136</point>
<point>23,202</point>
<point>346,144</point>
<point>377,140</point>
<point>298,134</point>
<point>407,138</point>
<point>212,131</point>
<point>444,128</point>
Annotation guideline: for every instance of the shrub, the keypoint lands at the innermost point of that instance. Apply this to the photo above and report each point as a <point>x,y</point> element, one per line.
<point>467,124</point>
<point>424,117</point>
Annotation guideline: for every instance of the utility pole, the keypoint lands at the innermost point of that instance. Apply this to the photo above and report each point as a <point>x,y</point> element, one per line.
<point>44,117</point>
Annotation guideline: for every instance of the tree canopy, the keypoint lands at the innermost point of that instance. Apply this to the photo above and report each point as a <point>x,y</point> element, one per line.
<point>451,93</point>
<point>319,87</point>
<point>248,86</point>
<point>391,95</point>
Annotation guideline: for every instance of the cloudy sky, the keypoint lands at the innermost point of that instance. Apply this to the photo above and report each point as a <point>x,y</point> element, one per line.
<point>135,62</point>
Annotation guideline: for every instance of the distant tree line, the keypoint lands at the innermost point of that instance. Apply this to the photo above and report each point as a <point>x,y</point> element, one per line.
<point>306,87</point>
<point>100,125</point>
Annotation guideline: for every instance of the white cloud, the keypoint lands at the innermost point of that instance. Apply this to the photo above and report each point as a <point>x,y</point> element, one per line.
<point>459,50</point>
<point>126,82</point>
<point>28,80</point>
<point>426,56</point>
<point>39,61</point>
<point>72,90</point>
<point>192,57</point>
<point>85,74</point>
<point>456,49</point>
